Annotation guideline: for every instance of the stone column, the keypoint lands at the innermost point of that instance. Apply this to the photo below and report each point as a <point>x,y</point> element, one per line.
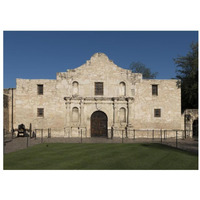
<point>129,111</point>
<point>81,115</point>
<point>67,117</point>
<point>69,113</point>
<point>127,114</point>
<point>67,103</point>
<point>114,112</point>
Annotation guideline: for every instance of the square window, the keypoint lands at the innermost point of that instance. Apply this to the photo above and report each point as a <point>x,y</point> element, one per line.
<point>98,88</point>
<point>40,112</point>
<point>40,89</point>
<point>157,112</point>
<point>155,90</point>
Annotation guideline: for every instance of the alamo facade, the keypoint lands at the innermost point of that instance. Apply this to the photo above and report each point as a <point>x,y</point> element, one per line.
<point>98,98</point>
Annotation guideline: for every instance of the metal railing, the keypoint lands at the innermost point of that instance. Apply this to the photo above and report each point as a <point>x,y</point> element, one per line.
<point>158,135</point>
<point>52,135</point>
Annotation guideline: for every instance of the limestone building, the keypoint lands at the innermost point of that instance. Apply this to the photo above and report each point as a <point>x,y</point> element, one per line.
<point>98,98</point>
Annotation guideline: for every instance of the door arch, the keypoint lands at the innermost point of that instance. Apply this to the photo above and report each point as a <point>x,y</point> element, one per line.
<point>195,128</point>
<point>99,124</point>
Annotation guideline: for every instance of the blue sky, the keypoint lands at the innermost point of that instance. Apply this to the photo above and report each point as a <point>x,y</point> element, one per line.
<point>40,54</point>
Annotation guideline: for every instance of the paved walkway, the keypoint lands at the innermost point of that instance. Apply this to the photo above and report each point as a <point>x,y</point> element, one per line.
<point>11,145</point>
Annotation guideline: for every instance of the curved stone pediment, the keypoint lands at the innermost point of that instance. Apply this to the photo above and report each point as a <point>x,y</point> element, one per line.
<point>99,67</point>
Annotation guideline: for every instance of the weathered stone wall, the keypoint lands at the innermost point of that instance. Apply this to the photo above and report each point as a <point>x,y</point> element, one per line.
<point>27,102</point>
<point>168,100</point>
<point>6,111</point>
<point>7,108</point>
<point>188,117</point>
<point>73,94</point>
<point>98,69</point>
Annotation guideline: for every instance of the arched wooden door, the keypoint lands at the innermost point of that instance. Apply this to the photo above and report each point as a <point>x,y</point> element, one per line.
<point>99,122</point>
<point>195,129</point>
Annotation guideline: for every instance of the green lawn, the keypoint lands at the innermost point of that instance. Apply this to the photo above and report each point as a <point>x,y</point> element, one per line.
<point>100,156</point>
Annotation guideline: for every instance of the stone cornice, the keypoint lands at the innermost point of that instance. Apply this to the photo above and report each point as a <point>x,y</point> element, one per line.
<point>98,98</point>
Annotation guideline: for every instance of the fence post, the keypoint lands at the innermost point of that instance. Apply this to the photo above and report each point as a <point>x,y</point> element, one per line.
<point>153,135</point>
<point>12,133</point>
<point>30,129</point>
<point>27,141</point>
<point>41,135</point>
<point>134,134</point>
<point>176,139</point>
<point>4,131</point>
<point>112,129</point>
<point>161,135</point>
<point>81,135</point>
<point>122,136</point>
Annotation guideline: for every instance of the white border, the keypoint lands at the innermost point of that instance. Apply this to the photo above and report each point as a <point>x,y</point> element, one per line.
<point>98,15</point>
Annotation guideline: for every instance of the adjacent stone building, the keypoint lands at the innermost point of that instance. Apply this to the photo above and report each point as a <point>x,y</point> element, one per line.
<point>97,99</point>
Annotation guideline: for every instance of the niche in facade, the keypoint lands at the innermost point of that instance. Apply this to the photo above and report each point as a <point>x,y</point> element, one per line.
<point>75,114</point>
<point>75,88</point>
<point>122,115</point>
<point>122,89</point>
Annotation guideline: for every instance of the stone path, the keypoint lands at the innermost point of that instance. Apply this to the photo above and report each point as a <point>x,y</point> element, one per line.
<point>11,145</point>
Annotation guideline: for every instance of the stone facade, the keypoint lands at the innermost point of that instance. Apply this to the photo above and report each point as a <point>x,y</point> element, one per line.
<point>8,109</point>
<point>125,98</point>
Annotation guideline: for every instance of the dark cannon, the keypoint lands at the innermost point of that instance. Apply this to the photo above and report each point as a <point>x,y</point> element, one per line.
<point>21,130</point>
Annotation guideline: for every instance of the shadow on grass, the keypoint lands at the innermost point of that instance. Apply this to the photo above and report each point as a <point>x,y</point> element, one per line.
<point>168,147</point>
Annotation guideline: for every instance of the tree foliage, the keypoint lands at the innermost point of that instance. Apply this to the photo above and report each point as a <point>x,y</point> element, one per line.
<point>187,73</point>
<point>138,67</point>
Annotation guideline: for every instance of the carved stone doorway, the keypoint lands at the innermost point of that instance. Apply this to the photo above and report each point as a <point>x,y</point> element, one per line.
<point>99,125</point>
<point>195,128</point>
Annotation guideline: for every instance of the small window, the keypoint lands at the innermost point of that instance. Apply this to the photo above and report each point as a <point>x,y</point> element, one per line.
<point>99,88</point>
<point>155,90</point>
<point>40,89</point>
<point>157,112</point>
<point>40,112</point>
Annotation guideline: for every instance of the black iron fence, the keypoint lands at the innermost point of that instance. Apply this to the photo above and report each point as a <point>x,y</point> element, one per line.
<point>173,138</point>
<point>148,135</point>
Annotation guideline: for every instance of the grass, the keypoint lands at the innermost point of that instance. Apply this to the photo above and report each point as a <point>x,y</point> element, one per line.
<point>100,156</point>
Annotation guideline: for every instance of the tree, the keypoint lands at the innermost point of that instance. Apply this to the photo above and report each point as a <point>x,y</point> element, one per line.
<point>138,67</point>
<point>187,73</point>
